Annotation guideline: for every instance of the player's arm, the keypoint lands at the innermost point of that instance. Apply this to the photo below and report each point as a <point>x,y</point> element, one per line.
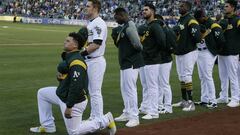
<point>194,30</point>
<point>224,24</point>
<point>114,35</point>
<point>218,34</point>
<point>98,36</point>
<point>140,30</point>
<point>132,34</point>
<point>78,76</point>
<point>159,35</point>
<point>92,47</point>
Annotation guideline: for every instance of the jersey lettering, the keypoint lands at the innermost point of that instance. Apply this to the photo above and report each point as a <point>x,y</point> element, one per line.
<point>146,34</point>
<point>76,74</point>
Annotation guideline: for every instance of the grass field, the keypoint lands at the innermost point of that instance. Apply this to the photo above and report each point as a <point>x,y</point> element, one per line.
<point>28,57</point>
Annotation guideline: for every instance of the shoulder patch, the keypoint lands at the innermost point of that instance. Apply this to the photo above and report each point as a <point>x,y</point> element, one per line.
<point>98,30</point>
<point>78,62</point>
<point>192,21</point>
<point>215,25</point>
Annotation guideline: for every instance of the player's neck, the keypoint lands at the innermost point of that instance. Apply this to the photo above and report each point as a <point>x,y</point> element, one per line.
<point>126,20</point>
<point>230,14</point>
<point>95,15</point>
<point>74,50</point>
<point>185,14</point>
<point>150,19</point>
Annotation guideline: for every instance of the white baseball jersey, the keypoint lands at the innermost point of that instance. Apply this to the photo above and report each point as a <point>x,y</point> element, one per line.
<point>97,30</point>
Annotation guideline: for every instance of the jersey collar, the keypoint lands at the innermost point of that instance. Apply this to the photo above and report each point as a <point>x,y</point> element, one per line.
<point>93,19</point>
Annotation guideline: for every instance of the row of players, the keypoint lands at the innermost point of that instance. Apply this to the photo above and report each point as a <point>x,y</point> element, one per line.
<point>198,39</point>
<point>149,55</point>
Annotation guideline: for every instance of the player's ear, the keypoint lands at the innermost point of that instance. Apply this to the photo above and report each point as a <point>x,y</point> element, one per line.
<point>75,44</point>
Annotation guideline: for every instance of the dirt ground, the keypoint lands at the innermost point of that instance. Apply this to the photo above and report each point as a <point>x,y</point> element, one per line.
<point>223,122</point>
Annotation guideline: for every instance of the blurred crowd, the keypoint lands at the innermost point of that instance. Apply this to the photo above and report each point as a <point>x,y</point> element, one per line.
<point>74,9</point>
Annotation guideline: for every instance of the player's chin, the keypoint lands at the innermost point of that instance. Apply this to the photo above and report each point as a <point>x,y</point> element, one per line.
<point>145,17</point>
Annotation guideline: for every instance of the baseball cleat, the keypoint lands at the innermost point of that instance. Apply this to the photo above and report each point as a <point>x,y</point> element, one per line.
<point>111,126</point>
<point>189,106</point>
<point>132,123</point>
<point>211,105</point>
<point>160,107</point>
<point>233,104</point>
<point>201,103</point>
<point>164,111</point>
<point>42,129</point>
<point>149,117</point>
<point>180,104</point>
<point>122,117</point>
<point>221,100</point>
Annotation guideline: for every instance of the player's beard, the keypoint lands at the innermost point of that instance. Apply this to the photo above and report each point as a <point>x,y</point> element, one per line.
<point>89,16</point>
<point>182,12</point>
<point>228,13</point>
<point>147,16</point>
<point>120,22</point>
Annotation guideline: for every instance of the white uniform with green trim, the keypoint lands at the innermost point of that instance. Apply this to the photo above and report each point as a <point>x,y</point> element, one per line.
<point>97,30</point>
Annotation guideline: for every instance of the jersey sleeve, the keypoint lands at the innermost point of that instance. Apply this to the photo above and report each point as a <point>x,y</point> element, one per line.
<point>78,77</point>
<point>132,34</point>
<point>194,30</point>
<point>223,23</point>
<point>98,31</point>
<point>114,35</point>
<point>159,35</point>
<point>218,33</point>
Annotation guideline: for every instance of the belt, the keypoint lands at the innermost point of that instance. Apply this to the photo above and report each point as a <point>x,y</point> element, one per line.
<point>201,49</point>
<point>90,57</point>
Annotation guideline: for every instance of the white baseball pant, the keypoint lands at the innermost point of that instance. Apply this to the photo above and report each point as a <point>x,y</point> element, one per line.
<point>205,64</point>
<point>228,66</point>
<point>47,97</point>
<point>129,92</point>
<point>144,103</point>
<point>239,76</point>
<point>152,76</point>
<point>96,70</point>
<point>185,65</point>
<point>164,90</point>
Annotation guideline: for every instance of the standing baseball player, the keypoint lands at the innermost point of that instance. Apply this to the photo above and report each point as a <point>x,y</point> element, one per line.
<point>143,107</point>
<point>70,95</point>
<point>229,55</point>
<point>130,59</point>
<point>94,56</point>
<point>212,41</point>
<point>188,34</point>
<point>154,40</point>
<point>164,88</point>
<point>239,74</point>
